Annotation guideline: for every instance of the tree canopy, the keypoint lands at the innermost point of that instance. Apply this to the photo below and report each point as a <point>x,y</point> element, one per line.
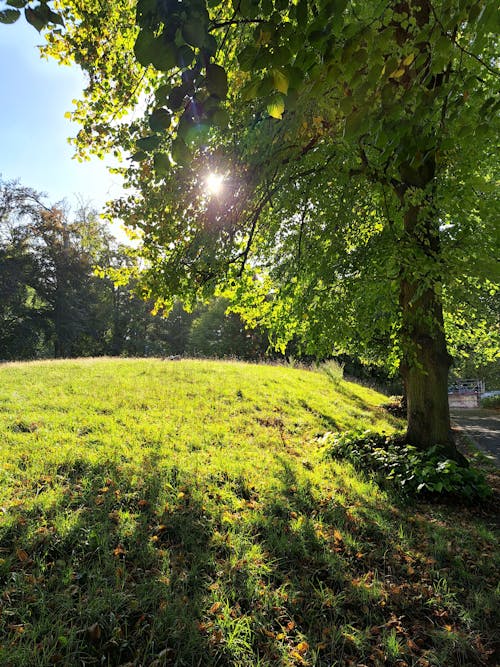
<point>356,141</point>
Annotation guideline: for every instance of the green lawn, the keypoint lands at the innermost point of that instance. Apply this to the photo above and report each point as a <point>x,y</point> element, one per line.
<point>181,513</point>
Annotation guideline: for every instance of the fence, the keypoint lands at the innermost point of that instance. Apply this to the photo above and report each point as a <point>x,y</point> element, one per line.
<point>465,393</point>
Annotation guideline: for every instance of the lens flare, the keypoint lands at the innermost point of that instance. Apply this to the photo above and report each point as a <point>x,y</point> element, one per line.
<point>214,183</point>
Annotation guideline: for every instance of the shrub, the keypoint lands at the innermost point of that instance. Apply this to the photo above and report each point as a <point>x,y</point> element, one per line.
<point>404,468</point>
<point>491,402</point>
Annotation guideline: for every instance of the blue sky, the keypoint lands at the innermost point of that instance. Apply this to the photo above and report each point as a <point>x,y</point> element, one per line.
<point>34,96</point>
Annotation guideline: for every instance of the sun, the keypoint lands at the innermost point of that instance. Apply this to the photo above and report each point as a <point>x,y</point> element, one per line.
<point>214,183</point>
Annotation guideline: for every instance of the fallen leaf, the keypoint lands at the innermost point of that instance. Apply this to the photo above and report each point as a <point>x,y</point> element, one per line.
<point>302,648</point>
<point>215,607</point>
<point>94,632</point>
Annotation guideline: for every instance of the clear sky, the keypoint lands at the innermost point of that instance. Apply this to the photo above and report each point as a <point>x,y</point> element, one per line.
<point>34,96</point>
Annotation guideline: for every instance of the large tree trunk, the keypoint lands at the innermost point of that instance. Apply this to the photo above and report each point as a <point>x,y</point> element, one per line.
<point>425,368</point>
<point>426,360</point>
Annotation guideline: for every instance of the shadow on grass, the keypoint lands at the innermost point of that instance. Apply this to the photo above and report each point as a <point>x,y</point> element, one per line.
<point>327,420</point>
<point>122,564</point>
<point>373,584</point>
<point>113,572</point>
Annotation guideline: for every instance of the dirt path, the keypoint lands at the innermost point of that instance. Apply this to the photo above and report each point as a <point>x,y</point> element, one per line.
<point>483,426</point>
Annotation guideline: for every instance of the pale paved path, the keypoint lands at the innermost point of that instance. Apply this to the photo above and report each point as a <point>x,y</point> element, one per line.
<point>483,426</point>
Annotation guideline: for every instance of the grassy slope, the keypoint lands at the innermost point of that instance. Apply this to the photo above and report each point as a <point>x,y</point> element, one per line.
<point>159,513</point>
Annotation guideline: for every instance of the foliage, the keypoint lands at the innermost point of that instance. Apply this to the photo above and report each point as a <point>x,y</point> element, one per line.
<point>51,303</point>
<point>179,513</point>
<point>215,333</point>
<point>490,402</point>
<point>358,144</point>
<point>56,299</point>
<point>405,468</point>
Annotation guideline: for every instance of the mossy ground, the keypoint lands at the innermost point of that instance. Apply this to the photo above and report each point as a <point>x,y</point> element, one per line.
<point>180,513</point>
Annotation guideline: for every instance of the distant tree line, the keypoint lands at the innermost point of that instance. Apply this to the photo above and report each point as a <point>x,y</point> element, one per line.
<point>53,304</point>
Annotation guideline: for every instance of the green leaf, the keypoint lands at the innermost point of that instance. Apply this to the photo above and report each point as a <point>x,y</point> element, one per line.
<point>301,12</point>
<point>249,8</point>
<point>144,12</point>
<point>185,56</point>
<point>176,97</point>
<point>148,143</point>
<point>217,81</point>
<point>162,93</point>
<point>34,17</point>
<point>180,151</point>
<point>221,118</point>
<point>161,163</point>
<point>266,86</point>
<point>55,18</point>
<point>156,51</point>
<point>280,81</point>
<point>276,107</point>
<point>210,47</point>
<point>353,124</point>
<point>338,6</point>
<point>159,120</point>
<point>281,55</point>
<point>250,91</point>
<point>266,7</point>
<point>9,15</point>
<point>246,58</point>
<point>185,125</point>
<point>164,55</point>
<point>194,31</point>
<point>139,156</point>
<point>17,3</point>
<point>144,47</point>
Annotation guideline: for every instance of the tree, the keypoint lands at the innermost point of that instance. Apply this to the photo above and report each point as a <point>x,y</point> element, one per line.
<point>51,303</point>
<point>215,333</point>
<point>24,318</point>
<point>356,135</point>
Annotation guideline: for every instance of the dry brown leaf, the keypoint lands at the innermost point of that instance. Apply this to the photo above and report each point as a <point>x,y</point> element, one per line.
<point>215,607</point>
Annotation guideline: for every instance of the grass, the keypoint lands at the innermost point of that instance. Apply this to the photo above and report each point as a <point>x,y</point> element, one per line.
<point>180,513</point>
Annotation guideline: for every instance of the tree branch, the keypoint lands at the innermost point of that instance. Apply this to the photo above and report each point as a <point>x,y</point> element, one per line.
<point>453,39</point>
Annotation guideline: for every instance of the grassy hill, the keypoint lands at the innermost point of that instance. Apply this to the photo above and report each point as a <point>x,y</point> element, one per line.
<point>180,513</point>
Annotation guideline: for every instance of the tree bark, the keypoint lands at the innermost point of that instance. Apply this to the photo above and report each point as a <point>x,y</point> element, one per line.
<point>425,368</point>
<point>426,360</point>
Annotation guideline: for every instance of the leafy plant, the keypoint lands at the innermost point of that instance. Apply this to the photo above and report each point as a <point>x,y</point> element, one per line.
<point>491,402</point>
<point>396,464</point>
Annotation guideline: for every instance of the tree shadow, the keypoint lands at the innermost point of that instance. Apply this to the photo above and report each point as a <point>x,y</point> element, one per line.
<point>361,576</point>
<point>113,571</point>
<point>327,420</point>
<point>120,564</point>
